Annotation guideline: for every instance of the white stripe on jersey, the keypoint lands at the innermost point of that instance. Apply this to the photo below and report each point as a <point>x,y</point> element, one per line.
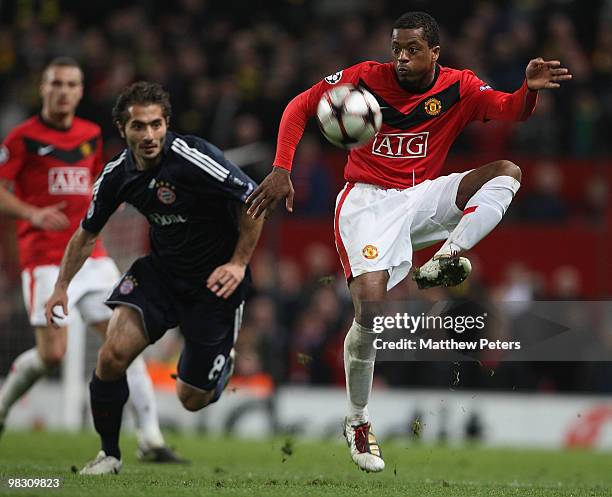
<point>201,155</point>
<point>107,169</point>
<point>203,161</point>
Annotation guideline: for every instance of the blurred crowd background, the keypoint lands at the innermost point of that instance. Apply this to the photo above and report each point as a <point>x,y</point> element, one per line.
<point>232,66</point>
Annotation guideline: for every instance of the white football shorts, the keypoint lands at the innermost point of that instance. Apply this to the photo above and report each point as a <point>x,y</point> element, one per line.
<point>86,293</point>
<point>378,229</point>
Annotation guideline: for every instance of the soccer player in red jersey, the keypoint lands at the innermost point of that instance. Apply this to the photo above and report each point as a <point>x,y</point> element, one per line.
<point>52,160</point>
<point>395,200</point>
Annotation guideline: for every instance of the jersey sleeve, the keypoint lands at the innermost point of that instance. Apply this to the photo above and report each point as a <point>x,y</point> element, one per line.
<point>105,199</point>
<point>214,168</point>
<point>485,103</point>
<point>12,156</point>
<point>302,108</point>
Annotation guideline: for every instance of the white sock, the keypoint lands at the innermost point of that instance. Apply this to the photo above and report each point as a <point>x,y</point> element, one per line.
<point>359,357</point>
<point>142,401</point>
<point>482,213</point>
<point>25,370</point>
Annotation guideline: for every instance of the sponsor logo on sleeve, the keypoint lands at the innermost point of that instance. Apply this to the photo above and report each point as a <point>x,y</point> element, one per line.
<point>485,87</point>
<point>92,208</point>
<point>4,154</point>
<point>332,79</point>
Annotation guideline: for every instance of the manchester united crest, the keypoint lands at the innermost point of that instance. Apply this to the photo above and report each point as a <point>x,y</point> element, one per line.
<point>433,106</point>
<point>165,193</point>
<point>370,252</point>
<point>86,149</point>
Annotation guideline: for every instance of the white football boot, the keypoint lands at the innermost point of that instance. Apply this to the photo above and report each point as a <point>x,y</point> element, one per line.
<point>442,270</point>
<point>102,465</point>
<point>365,451</point>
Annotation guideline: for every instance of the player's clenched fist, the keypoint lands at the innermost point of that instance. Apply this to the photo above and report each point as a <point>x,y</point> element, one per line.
<point>225,279</point>
<point>59,297</point>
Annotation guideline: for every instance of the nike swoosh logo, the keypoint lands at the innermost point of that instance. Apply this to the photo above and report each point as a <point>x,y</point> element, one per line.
<point>46,150</point>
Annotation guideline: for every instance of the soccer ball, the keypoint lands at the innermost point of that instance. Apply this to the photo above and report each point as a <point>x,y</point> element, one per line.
<point>348,116</point>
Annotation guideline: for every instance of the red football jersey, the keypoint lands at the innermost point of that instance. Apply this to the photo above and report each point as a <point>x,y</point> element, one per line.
<point>418,128</point>
<point>50,165</point>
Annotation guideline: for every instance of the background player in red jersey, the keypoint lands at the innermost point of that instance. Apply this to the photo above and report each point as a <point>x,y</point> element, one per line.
<point>52,159</point>
<point>395,200</point>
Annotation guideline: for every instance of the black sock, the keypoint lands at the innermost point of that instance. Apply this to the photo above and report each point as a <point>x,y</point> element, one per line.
<point>107,401</point>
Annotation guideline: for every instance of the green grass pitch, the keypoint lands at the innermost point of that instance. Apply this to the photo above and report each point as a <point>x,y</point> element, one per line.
<point>280,467</point>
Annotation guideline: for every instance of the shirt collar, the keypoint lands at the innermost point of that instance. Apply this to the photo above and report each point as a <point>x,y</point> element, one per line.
<point>419,91</point>
<point>49,124</point>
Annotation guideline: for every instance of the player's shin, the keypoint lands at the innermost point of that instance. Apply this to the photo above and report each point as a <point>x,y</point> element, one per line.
<point>107,401</point>
<point>142,400</point>
<point>482,213</point>
<point>359,358</point>
<point>25,371</point>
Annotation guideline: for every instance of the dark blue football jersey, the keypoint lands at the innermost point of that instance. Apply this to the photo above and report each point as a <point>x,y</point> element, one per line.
<point>191,200</point>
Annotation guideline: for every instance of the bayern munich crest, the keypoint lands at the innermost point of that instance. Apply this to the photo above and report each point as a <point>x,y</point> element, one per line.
<point>127,285</point>
<point>165,193</point>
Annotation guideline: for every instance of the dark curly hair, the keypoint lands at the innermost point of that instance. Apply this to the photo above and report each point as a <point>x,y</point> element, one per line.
<point>142,93</point>
<point>416,20</point>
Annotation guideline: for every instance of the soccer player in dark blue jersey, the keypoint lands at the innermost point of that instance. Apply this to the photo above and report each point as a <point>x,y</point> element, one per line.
<point>196,276</point>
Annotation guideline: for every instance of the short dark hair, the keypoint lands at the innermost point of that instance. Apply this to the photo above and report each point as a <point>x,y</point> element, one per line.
<point>416,20</point>
<point>142,93</point>
<point>62,61</point>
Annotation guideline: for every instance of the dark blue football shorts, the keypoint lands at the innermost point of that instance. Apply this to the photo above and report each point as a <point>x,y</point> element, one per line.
<point>208,323</point>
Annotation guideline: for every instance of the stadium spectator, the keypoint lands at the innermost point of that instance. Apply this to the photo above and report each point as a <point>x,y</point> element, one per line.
<point>544,202</point>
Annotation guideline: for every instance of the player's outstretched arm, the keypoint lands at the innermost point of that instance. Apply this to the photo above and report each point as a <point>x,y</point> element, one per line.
<point>48,218</point>
<point>545,74</point>
<point>275,186</point>
<point>226,278</point>
<point>79,248</point>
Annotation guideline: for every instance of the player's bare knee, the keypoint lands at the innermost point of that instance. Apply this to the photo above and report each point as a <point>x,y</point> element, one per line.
<point>53,358</point>
<point>113,360</point>
<point>368,311</point>
<point>367,315</point>
<point>193,404</point>
<point>193,400</point>
<point>509,168</point>
<point>368,292</point>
